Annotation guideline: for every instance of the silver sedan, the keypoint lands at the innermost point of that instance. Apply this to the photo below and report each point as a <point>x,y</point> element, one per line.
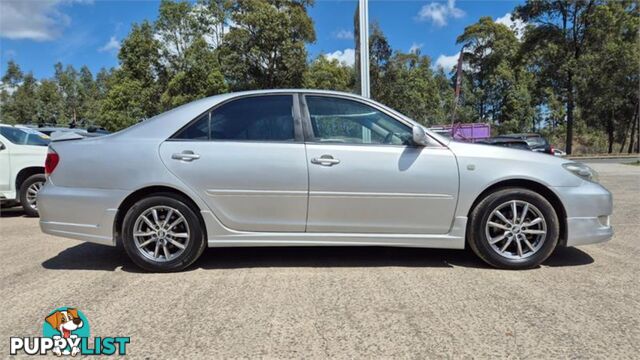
<point>312,168</point>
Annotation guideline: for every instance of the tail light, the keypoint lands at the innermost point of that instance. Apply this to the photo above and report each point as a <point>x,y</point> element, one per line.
<point>51,162</point>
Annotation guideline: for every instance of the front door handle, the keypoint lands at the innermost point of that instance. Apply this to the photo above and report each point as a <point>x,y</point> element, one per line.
<point>325,160</point>
<point>186,155</point>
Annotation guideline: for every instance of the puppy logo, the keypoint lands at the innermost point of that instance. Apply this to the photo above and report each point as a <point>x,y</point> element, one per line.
<point>69,324</point>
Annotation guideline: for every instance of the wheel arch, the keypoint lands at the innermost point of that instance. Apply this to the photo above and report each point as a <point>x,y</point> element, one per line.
<point>533,186</point>
<point>141,193</point>
<point>25,173</point>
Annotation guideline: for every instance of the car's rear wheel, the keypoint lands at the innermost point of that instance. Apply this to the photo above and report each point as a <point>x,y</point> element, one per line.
<point>162,233</point>
<point>29,192</point>
<point>514,228</point>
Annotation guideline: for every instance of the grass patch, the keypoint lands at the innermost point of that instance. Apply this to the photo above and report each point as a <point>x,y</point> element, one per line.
<point>637,163</point>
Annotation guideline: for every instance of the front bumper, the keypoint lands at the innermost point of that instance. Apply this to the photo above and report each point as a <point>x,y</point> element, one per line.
<point>589,208</point>
<point>79,213</point>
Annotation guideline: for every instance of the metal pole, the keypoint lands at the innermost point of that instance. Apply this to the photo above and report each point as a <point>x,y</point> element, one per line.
<point>363,18</point>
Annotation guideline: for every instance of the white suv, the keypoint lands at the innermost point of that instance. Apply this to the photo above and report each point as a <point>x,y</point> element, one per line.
<point>22,155</point>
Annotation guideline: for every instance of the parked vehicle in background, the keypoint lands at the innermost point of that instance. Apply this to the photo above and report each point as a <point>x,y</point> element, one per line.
<point>312,168</point>
<point>535,141</point>
<point>506,142</point>
<point>469,132</point>
<point>558,152</point>
<point>22,156</point>
<point>91,131</point>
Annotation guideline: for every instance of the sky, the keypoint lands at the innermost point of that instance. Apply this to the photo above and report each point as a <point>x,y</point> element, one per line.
<point>38,33</point>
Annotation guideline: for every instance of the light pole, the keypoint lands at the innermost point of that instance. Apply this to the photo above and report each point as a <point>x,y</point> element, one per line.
<point>363,22</point>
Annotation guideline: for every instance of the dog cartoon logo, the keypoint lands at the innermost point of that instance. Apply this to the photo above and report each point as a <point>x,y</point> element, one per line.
<point>67,323</point>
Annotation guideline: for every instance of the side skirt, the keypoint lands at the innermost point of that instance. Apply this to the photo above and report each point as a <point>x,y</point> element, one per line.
<point>455,239</point>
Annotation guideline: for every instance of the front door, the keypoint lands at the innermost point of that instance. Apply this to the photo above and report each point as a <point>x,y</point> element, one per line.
<point>247,161</point>
<point>366,176</point>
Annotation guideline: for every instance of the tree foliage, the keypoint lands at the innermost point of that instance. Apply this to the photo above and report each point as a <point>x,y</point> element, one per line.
<point>328,74</point>
<point>572,74</point>
<point>265,47</point>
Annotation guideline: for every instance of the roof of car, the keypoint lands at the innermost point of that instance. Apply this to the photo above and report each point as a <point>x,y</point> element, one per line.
<point>152,128</point>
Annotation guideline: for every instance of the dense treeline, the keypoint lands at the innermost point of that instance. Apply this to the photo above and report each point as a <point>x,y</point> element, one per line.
<point>573,73</point>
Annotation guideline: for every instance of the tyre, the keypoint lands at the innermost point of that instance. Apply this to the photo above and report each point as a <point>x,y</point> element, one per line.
<point>513,228</point>
<point>161,233</point>
<point>28,192</point>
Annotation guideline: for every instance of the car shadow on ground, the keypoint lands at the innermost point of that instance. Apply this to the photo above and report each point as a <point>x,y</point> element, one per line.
<point>12,212</point>
<point>89,256</point>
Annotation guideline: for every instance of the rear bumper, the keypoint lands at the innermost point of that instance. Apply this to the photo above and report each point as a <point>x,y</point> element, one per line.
<point>589,207</point>
<point>82,214</point>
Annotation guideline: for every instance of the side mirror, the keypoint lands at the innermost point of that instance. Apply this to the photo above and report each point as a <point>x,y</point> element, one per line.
<point>419,136</point>
<point>2,147</point>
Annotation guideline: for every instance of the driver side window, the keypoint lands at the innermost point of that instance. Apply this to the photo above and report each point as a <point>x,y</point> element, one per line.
<point>343,121</point>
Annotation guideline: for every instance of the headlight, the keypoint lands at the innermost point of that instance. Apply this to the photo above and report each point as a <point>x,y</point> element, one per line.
<point>581,170</point>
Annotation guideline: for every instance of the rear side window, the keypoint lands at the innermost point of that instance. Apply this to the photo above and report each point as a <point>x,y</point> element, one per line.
<point>259,118</point>
<point>263,118</point>
<point>14,135</point>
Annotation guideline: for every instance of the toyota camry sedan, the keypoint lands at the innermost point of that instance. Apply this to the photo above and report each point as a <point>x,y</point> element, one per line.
<point>312,168</point>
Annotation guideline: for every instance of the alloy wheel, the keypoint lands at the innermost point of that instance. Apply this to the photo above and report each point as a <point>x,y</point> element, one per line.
<point>516,229</point>
<point>32,193</point>
<point>161,233</point>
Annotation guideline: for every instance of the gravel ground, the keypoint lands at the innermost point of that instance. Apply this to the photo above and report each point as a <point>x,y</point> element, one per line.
<point>338,302</point>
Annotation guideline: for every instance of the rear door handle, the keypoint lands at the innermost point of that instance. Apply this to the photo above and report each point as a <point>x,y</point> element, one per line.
<point>186,155</point>
<point>325,160</point>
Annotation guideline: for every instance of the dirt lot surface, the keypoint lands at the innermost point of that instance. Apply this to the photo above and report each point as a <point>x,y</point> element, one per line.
<point>338,302</point>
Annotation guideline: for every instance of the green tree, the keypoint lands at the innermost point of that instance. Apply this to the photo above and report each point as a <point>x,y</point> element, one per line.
<point>213,18</point>
<point>404,82</point>
<point>327,74</point>
<point>554,43</point>
<point>49,103</point>
<point>89,97</point>
<point>608,77</point>
<point>124,104</point>
<point>177,28</point>
<point>379,55</point>
<point>11,79</point>
<point>265,46</point>
<point>200,77</point>
<point>23,109</point>
<point>13,76</point>
<point>499,83</point>
<point>68,83</point>
<point>135,88</point>
<point>411,87</point>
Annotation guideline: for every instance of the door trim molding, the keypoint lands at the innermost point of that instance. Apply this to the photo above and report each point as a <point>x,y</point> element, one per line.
<point>233,192</point>
<point>378,194</point>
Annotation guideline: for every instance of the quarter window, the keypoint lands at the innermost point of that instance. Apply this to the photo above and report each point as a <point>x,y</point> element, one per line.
<point>336,120</point>
<point>197,130</point>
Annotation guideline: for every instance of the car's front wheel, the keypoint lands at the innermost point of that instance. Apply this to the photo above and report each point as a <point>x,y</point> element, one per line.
<point>29,192</point>
<point>162,233</point>
<point>514,228</point>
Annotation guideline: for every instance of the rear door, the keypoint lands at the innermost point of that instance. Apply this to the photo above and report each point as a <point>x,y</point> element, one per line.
<point>366,176</point>
<point>246,160</point>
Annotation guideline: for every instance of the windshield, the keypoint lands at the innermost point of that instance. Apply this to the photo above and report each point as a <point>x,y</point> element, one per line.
<point>24,136</point>
<point>536,141</point>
